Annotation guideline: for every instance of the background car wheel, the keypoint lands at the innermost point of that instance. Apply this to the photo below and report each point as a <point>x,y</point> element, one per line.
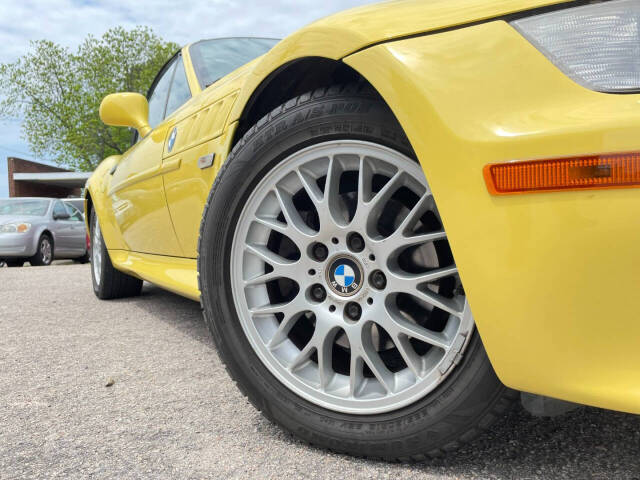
<point>330,290</point>
<point>83,259</point>
<point>14,262</point>
<point>44,254</point>
<point>108,283</point>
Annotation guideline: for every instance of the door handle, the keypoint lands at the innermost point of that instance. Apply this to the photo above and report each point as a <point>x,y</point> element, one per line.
<point>170,166</point>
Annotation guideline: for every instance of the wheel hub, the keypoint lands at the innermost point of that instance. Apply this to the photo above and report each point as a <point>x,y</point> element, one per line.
<point>344,275</point>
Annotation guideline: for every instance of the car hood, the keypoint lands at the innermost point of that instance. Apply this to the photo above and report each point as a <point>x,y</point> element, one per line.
<point>388,20</point>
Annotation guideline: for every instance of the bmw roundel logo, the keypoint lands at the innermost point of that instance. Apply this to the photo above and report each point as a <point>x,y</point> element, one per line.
<point>344,276</point>
<point>172,139</point>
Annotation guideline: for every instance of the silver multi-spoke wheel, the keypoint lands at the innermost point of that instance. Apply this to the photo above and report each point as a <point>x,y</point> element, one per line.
<point>45,250</point>
<point>343,279</point>
<point>96,251</point>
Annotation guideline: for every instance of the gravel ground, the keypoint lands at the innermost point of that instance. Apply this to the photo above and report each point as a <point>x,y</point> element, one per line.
<point>172,412</point>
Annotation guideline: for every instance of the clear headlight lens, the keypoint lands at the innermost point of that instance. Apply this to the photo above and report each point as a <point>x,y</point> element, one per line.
<point>597,45</point>
<point>15,227</point>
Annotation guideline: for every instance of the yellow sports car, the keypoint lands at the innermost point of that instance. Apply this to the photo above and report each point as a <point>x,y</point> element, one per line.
<point>396,217</point>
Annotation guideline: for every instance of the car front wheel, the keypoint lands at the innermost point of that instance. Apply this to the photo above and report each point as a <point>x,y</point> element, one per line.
<point>44,254</point>
<point>330,289</point>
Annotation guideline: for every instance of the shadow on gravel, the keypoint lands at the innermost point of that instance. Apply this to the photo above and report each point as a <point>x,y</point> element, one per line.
<point>181,313</point>
<point>587,443</point>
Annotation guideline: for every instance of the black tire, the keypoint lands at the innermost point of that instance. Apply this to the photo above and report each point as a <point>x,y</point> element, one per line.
<point>83,259</point>
<point>14,262</point>
<point>466,403</point>
<point>40,259</point>
<point>111,283</point>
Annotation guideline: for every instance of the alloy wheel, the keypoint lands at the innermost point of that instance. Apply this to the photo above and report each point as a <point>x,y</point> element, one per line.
<point>45,250</point>
<point>343,279</point>
<point>96,251</point>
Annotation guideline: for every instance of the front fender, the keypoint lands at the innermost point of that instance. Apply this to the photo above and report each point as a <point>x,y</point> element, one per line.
<point>345,32</point>
<point>552,278</point>
<point>97,187</point>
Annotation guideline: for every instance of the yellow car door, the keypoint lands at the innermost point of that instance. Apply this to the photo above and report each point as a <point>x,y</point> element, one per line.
<point>199,138</point>
<point>136,190</point>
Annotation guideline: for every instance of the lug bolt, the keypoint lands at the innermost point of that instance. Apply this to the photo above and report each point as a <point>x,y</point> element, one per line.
<point>353,311</point>
<point>320,252</point>
<point>355,242</point>
<point>318,292</point>
<point>378,280</point>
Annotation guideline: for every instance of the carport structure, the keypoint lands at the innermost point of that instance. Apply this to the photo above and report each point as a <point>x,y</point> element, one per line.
<point>33,179</point>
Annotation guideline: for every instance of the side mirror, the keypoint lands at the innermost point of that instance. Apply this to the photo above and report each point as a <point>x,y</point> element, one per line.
<point>61,216</point>
<point>126,110</point>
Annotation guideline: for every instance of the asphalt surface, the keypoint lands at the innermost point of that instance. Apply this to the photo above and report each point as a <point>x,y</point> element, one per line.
<point>172,412</point>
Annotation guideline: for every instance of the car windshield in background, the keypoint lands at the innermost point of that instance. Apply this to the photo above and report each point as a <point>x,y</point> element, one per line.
<point>24,207</point>
<point>213,59</point>
<point>76,202</point>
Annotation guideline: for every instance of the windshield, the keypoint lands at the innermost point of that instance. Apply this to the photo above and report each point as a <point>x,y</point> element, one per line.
<point>213,59</point>
<point>16,206</point>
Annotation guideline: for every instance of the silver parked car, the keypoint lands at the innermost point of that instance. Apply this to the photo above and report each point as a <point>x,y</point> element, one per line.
<point>39,230</point>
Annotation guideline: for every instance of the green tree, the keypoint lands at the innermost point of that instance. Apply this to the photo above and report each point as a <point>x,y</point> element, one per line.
<point>57,92</point>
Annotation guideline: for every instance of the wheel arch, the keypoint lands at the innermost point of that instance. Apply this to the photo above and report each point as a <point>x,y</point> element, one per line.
<point>48,232</point>
<point>88,207</point>
<point>294,78</point>
<point>96,198</point>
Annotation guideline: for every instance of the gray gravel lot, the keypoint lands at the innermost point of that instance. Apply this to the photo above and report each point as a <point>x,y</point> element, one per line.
<point>172,412</point>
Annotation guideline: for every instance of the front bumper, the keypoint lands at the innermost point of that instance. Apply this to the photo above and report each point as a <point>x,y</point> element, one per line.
<point>552,278</point>
<point>17,245</point>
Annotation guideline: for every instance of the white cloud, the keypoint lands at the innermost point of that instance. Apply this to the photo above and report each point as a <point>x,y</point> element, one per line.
<point>68,22</point>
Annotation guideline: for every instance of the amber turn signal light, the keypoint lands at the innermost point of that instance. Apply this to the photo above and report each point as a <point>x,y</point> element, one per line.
<point>615,170</point>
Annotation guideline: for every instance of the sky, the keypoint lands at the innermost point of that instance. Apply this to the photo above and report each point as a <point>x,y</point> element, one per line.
<point>68,22</point>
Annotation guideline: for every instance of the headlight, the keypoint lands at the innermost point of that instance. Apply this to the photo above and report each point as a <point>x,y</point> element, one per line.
<point>15,227</point>
<point>597,45</point>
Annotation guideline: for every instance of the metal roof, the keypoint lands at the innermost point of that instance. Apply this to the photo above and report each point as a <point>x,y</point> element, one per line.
<point>61,179</point>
